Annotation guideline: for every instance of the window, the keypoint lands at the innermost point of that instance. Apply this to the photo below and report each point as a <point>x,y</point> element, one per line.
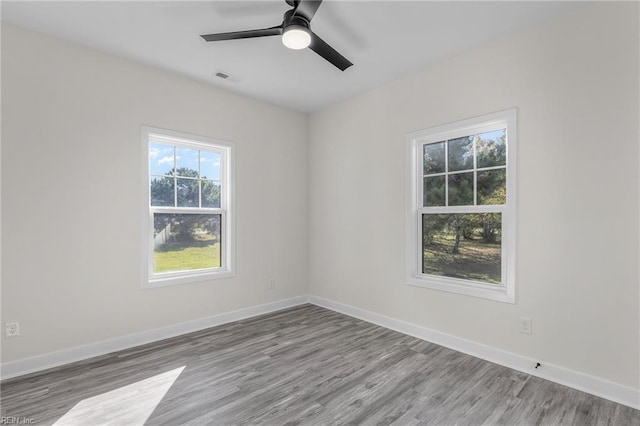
<point>188,187</point>
<point>461,207</point>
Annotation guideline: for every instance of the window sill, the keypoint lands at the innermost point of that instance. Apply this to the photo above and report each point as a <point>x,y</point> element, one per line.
<point>164,281</point>
<point>468,288</point>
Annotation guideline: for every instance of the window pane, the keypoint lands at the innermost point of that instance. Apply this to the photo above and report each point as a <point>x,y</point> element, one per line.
<point>466,246</point>
<point>188,192</point>
<point>160,159</point>
<point>461,189</point>
<point>491,148</point>
<point>433,158</point>
<point>461,154</point>
<point>492,187</point>
<point>210,193</point>
<point>162,193</point>
<point>187,162</point>
<point>184,242</point>
<point>433,191</point>
<point>210,165</point>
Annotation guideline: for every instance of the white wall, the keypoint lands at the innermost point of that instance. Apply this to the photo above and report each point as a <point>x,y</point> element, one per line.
<point>71,188</point>
<point>575,83</point>
<point>330,213</point>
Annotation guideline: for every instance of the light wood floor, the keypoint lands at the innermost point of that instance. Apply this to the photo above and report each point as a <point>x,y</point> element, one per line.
<point>304,365</point>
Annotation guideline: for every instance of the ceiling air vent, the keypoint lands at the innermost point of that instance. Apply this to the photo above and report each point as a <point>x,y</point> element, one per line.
<point>226,76</point>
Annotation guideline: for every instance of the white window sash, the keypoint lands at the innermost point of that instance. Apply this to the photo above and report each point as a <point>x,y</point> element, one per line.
<point>414,211</point>
<point>227,203</point>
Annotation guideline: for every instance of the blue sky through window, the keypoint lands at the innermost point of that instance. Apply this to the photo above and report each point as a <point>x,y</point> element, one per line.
<point>494,135</point>
<point>163,158</point>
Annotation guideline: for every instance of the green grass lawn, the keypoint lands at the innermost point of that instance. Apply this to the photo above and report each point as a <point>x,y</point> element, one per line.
<point>476,261</point>
<point>187,256</point>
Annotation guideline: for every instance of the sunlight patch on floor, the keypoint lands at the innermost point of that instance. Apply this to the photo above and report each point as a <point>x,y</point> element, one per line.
<point>128,405</point>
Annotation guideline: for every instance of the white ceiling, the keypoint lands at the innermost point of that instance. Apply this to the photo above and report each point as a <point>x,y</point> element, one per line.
<point>384,39</point>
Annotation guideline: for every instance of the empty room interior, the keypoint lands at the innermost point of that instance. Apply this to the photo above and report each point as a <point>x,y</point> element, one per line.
<point>320,212</point>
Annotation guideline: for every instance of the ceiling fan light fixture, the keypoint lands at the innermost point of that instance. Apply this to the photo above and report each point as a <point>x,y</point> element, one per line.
<point>296,37</point>
<point>295,33</point>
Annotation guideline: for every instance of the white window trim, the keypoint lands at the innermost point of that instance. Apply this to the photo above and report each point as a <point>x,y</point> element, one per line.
<point>413,256</point>
<point>227,210</point>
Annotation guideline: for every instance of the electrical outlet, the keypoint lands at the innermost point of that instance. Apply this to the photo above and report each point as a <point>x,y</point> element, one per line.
<point>12,329</point>
<point>525,325</point>
<point>272,284</point>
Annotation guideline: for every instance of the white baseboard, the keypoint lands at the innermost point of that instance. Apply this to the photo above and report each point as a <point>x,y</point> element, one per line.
<point>599,387</point>
<point>605,389</point>
<point>54,359</point>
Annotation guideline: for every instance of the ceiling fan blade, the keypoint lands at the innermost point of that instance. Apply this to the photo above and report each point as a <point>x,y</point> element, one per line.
<point>235,35</point>
<point>307,8</point>
<point>329,53</point>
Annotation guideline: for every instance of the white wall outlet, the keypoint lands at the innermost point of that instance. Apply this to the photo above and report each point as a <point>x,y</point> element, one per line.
<point>12,329</point>
<point>272,284</point>
<point>525,325</point>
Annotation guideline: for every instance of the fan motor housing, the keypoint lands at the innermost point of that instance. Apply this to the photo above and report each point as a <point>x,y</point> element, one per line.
<point>291,19</point>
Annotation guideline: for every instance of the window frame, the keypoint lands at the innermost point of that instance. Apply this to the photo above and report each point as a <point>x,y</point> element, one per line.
<point>505,292</point>
<point>226,210</point>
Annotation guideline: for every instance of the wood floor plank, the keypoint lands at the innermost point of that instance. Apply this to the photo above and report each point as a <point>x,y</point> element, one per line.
<point>301,366</point>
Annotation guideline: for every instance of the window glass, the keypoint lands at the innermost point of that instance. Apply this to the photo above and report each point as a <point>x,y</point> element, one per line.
<point>187,162</point>
<point>492,186</point>
<point>460,154</point>
<point>433,158</point>
<point>210,193</point>
<point>161,159</point>
<point>184,242</point>
<point>492,148</point>
<point>187,192</point>
<point>466,246</point>
<point>162,190</point>
<point>434,191</point>
<point>461,189</point>
<point>210,165</point>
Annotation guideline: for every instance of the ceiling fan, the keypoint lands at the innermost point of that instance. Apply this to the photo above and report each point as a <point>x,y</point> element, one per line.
<point>295,31</point>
